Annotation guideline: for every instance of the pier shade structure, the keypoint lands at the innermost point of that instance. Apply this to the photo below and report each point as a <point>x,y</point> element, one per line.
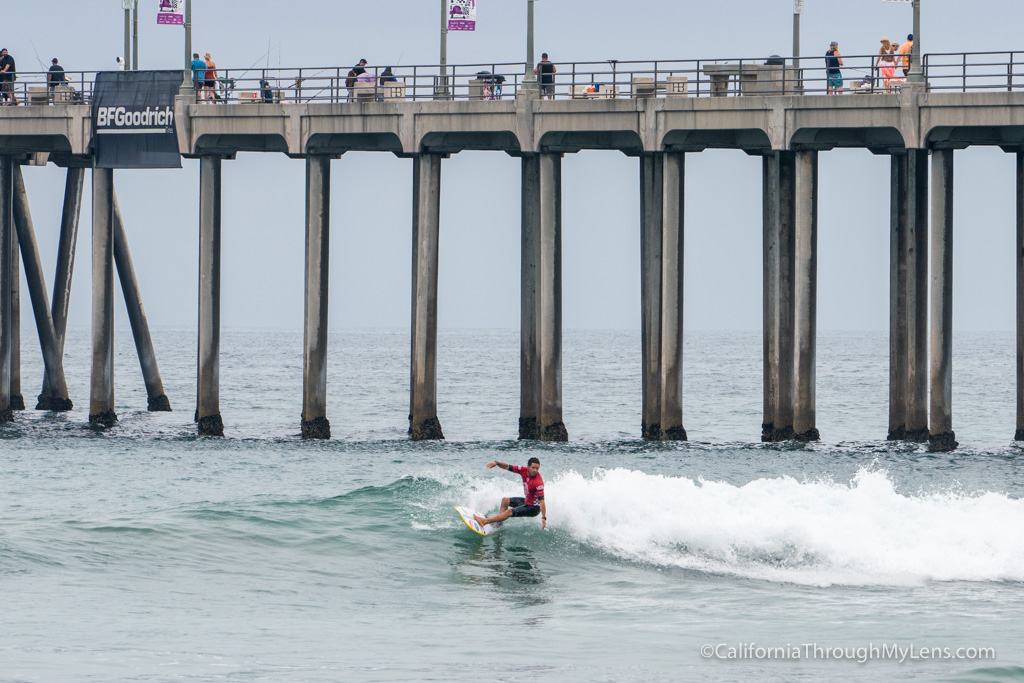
<point>656,112</point>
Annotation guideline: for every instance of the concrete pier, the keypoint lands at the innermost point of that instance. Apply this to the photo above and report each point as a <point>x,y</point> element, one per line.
<point>942,437</point>
<point>1019,434</point>
<point>661,265</point>
<point>917,295</point>
<point>426,220</point>
<point>73,187</point>
<point>208,371</point>
<point>314,358</point>
<point>805,296</point>
<point>541,401</point>
<point>26,238</point>
<point>156,399</point>
<point>6,250</point>
<point>101,394</point>
<point>898,190</point>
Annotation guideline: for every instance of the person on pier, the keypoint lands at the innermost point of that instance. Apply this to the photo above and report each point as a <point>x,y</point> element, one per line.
<point>886,62</point>
<point>833,60</point>
<point>530,505</point>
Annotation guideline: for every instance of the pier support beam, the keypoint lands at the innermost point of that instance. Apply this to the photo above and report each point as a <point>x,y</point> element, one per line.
<point>314,358</point>
<point>101,394</point>
<point>426,220</point>
<point>57,388</point>
<point>779,274</point>
<point>17,399</point>
<point>156,399</point>
<point>942,437</point>
<point>661,265</point>
<point>540,415</point>
<point>898,253</point>
<point>6,251</point>
<point>208,379</point>
<point>917,295</point>
<point>73,188</point>
<point>1019,434</point>
<point>805,296</point>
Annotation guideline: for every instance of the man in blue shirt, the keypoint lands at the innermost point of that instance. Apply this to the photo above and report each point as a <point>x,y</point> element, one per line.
<point>198,73</point>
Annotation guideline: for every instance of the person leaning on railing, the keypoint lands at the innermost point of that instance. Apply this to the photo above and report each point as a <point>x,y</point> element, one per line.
<point>8,72</point>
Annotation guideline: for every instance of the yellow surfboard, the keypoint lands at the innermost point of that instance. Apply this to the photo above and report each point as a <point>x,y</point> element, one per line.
<point>467,516</point>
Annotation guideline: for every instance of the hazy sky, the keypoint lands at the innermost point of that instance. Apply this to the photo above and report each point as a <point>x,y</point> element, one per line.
<point>479,271</point>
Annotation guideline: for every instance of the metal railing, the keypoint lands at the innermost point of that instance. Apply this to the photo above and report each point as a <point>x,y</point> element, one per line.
<point>956,72</point>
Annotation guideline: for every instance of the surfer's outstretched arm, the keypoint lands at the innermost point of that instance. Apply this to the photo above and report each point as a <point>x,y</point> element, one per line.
<point>543,514</point>
<point>502,465</point>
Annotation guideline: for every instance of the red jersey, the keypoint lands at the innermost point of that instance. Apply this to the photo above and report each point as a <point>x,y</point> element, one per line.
<point>533,487</point>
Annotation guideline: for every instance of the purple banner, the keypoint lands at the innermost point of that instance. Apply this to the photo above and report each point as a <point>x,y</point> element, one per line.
<point>461,15</point>
<point>171,12</point>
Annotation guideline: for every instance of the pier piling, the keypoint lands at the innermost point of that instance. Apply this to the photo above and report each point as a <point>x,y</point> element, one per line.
<point>17,399</point>
<point>315,424</point>
<point>898,377</point>
<point>805,295</point>
<point>652,188</point>
<point>917,295</point>
<point>156,399</point>
<point>1019,434</point>
<point>25,236</point>
<point>73,187</point>
<point>661,264</point>
<point>423,422</point>
<point>6,251</point>
<point>770,291</point>
<point>101,394</point>
<point>208,367</point>
<point>541,401</point>
<point>942,437</point>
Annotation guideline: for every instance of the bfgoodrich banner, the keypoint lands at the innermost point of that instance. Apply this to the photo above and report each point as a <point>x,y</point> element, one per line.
<point>133,119</point>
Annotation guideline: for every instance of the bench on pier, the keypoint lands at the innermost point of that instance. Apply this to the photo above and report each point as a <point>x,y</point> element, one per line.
<point>60,93</point>
<point>673,86</point>
<point>596,91</point>
<point>371,92</point>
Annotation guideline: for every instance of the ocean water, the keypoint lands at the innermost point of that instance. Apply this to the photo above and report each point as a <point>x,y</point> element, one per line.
<point>145,553</point>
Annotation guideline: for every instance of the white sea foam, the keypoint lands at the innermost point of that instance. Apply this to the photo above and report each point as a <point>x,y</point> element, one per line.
<point>814,532</point>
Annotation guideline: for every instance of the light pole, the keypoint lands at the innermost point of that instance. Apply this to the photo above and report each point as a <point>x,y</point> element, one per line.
<point>916,74</point>
<point>798,9</point>
<point>186,86</point>
<point>441,89</point>
<point>128,6</point>
<point>530,78</point>
<point>135,35</point>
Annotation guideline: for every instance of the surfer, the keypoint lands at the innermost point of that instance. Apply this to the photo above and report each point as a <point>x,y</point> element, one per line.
<point>532,502</point>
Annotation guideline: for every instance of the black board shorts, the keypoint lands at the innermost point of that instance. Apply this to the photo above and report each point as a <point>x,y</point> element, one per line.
<point>520,509</point>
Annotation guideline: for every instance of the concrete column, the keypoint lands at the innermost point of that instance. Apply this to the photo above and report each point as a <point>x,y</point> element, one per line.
<point>652,188</point>
<point>426,220</point>
<point>805,296</point>
<point>549,300</point>
<point>672,299</point>
<point>17,399</point>
<point>6,250</point>
<point>101,394</point>
<point>1019,434</point>
<point>208,394</point>
<point>156,399</point>
<point>898,191</point>
<point>529,363</point>
<point>25,236</point>
<point>942,437</point>
<point>917,295</point>
<point>784,412</point>
<point>74,185</point>
<point>314,357</point>
<point>770,290</point>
